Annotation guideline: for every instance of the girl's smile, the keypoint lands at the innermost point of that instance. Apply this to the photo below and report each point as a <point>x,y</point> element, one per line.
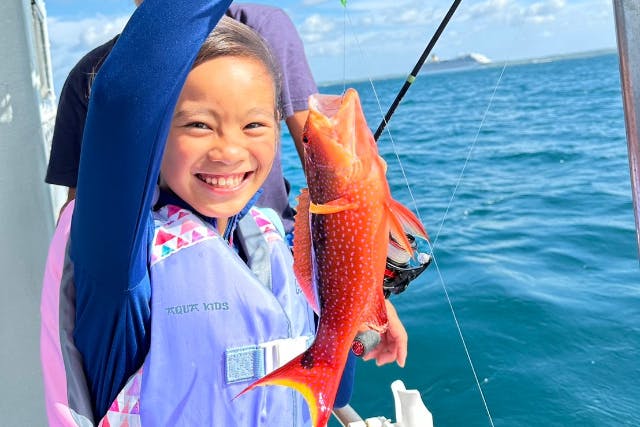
<point>222,182</point>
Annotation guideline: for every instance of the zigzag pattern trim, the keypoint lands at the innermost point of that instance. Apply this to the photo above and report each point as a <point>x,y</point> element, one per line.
<point>176,229</point>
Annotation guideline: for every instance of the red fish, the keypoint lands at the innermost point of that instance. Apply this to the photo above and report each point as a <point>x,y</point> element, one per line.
<point>340,248</point>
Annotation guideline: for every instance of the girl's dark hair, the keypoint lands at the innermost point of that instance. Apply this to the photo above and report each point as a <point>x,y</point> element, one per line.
<point>232,38</point>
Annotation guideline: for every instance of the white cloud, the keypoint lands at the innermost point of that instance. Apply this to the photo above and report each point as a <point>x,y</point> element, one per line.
<point>490,9</point>
<point>414,16</point>
<point>543,11</point>
<point>410,16</point>
<point>70,40</point>
<point>317,28</point>
<point>514,12</point>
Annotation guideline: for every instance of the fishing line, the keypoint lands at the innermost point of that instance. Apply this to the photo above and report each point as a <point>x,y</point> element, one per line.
<point>344,44</point>
<point>431,246</point>
<point>471,147</point>
<point>384,124</point>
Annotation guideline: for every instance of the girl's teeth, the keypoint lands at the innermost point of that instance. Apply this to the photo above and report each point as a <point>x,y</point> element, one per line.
<point>221,181</point>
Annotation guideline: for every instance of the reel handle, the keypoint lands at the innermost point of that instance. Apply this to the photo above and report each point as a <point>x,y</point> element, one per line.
<point>364,342</point>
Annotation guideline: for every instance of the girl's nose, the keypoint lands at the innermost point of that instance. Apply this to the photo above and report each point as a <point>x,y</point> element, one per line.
<point>224,148</point>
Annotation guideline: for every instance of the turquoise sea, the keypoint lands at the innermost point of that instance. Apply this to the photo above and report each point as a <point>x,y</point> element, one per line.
<point>521,177</point>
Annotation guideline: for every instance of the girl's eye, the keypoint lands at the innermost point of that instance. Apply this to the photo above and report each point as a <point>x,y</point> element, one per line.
<point>254,125</point>
<point>197,125</point>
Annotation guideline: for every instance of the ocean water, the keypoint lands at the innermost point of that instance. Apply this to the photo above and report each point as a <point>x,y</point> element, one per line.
<point>521,177</point>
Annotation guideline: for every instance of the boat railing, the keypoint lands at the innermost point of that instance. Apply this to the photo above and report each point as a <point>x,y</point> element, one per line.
<point>410,411</point>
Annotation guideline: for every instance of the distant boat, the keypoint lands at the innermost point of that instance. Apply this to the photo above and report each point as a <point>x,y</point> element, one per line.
<point>464,62</point>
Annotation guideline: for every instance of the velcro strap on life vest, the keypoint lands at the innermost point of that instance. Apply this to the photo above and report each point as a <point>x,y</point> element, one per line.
<point>255,361</point>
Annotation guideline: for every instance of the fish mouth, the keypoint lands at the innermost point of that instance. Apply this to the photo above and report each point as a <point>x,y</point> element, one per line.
<point>224,182</point>
<point>334,128</point>
<point>327,105</point>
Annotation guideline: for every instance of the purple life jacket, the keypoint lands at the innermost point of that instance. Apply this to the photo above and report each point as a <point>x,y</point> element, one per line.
<point>217,325</point>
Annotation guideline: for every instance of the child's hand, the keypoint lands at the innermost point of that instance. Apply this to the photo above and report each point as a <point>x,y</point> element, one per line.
<point>393,343</point>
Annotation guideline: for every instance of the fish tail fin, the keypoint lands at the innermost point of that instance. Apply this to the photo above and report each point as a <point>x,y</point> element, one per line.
<point>318,384</point>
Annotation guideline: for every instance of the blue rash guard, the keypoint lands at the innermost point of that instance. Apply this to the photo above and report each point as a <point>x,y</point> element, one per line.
<point>130,111</point>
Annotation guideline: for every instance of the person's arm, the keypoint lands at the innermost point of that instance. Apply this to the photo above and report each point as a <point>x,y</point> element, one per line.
<point>130,110</point>
<point>295,123</point>
<point>71,116</point>
<point>67,132</point>
<point>393,343</point>
<point>71,195</point>
<point>298,84</point>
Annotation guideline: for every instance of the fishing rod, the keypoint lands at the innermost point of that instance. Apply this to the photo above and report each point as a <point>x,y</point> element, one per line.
<point>416,69</point>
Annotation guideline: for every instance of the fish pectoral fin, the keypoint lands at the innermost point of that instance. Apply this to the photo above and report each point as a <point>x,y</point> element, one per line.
<point>377,319</point>
<point>302,261</point>
<point>403,221</point>
<point>334,206</point>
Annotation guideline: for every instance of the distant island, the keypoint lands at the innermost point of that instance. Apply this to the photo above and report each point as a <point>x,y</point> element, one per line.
<point>464,62</point>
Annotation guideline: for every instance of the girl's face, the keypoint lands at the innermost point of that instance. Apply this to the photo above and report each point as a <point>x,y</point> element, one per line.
<point>223,136</point>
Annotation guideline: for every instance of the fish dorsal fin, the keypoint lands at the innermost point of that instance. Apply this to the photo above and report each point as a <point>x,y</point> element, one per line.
<point>403,221</point>
<point>302,257</point>
<point>334,206</point>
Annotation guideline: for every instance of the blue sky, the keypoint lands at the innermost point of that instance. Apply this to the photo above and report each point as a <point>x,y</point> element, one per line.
<point>380,37</point>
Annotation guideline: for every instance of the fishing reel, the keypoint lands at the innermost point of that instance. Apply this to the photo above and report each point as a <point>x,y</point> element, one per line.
<point>401,267</point>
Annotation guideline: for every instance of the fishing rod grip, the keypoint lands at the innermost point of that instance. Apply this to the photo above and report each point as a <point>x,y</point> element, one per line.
<point>364,342</point>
